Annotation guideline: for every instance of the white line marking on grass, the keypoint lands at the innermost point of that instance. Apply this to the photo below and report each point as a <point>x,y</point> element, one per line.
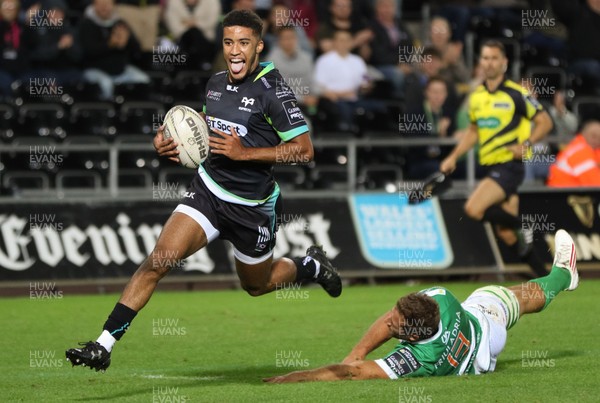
<point>191,378</point>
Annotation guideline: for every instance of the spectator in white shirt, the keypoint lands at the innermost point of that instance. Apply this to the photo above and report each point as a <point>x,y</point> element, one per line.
<point>340,76</point>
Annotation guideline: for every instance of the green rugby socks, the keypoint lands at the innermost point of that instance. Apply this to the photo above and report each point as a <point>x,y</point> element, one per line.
<point>558,280</point>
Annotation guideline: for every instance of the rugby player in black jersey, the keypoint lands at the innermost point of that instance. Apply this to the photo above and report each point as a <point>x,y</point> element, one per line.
<point>255,123</point>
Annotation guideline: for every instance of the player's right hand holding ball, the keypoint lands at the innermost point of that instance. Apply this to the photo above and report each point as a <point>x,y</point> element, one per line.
<point>165,147</point>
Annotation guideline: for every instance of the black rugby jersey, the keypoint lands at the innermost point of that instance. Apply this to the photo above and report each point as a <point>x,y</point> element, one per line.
<point>265,112</point>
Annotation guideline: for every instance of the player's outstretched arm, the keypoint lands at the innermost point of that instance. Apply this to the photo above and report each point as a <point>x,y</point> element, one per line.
<point>378,333</point>
<point>448,165</point>
<point>298,150</point>
<point>359,370</point>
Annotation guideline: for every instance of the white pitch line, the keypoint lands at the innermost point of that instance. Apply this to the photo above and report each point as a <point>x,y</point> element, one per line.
<point>181,377</point>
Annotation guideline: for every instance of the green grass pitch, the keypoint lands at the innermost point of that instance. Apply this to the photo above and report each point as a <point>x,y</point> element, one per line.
<point>217,346</point>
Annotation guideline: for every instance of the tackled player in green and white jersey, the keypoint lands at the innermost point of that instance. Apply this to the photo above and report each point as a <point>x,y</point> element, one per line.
<point>440,336</point>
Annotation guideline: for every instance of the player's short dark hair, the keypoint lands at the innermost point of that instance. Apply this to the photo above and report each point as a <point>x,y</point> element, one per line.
<point>244,18</point>
<point>493,43</point>
<point>421,315</point>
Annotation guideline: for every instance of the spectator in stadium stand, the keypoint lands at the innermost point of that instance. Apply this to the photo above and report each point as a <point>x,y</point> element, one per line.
<point>14,59</point>
<point>263,7</point>
<point>578,165</point>
<point>193,24</point>
<point>582,19</point>
<point>501,113</point>
<point>459,12</point>
<point>426,121</point>
<point>388,36</point>
<point>425,66</point>
<point>340,77</point>
<point>363,8</point>
<point>53,46</point>
<point>494,14</point>
<point>143,18</point>
<point>343,18</point>
<point>453,66</point>
<point>565,125</point>
<point>306,9</point>
<point>108,46</point>
<point>296,66</point>
<point>280,16</point>
<point>440,336</point>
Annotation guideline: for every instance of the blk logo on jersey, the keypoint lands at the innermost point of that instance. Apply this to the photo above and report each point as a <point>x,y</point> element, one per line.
<point>232,88</point>
<point>225,126</point>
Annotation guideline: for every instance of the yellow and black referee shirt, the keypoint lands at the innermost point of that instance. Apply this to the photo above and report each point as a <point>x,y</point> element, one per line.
<point>503,118</point>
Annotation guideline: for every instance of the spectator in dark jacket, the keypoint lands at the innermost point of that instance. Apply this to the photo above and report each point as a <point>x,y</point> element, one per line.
<point>52,45</point>
<point>344,17</point>
<point>429,119</point>
<point>582,20</point>
<point>143,17</point>
<point>13,59</point>
<point>388,37</point>
<point>108,45</point>
<point>427,65</point>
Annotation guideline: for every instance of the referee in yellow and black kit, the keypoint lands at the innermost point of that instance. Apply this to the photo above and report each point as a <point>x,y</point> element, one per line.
<point>501,113</point>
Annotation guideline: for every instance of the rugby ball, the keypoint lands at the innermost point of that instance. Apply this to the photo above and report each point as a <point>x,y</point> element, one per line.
<point>190,132</point>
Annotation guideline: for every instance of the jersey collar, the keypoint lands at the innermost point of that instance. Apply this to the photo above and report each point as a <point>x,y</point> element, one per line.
<point>499,85</point>
<point>266,67</point>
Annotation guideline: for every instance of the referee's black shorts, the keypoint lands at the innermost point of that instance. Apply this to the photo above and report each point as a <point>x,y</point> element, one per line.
<point>508,175</point>
<point>251,229</point>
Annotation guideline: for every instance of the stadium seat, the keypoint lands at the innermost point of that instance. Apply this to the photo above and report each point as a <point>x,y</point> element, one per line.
<point>42,154</point>
<point>137,159</point>
<point>95,118</point>
<point>135,178</point>
<point>160,83</point>
<point>132,92</point>
<point>189,84</point>
<point>43,119</point>
<point>96,158</point>
<point>84,92</point>
<point>382,155</point>
<point>7,123</point>
<point>290,177</point>
<point>330,177</point>
<point>331,155</point>
<point>554,78</point>
<point>141,117</point>
<point>78,181</point>
<point>378,176</point>
<point>587,108</point>
<point>26,182</point>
